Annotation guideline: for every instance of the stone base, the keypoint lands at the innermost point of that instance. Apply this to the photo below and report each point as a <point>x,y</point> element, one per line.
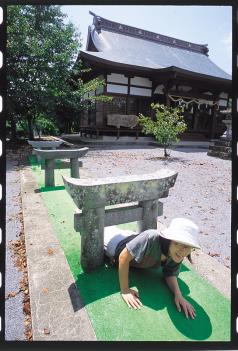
<point>221,149</point>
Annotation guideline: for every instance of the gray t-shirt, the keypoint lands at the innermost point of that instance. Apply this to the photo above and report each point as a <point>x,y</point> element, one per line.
<point>145,249</point>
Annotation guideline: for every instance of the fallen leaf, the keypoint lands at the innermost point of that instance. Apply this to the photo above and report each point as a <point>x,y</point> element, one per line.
<point>12,294</point>
<point>29,335</point>
<point>50,251</point>
<point>214,254</point>
<point>26,308</point>
<point>45,290</point>
<point>46,331</point>
<point>26,299</point>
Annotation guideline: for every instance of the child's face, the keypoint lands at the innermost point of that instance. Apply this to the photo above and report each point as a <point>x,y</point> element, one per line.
<point>178,251</point>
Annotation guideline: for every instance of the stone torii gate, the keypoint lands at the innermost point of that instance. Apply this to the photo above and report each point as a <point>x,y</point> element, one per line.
<point>92,196</point>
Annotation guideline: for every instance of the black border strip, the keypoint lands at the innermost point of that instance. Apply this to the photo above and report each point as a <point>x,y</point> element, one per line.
<point>233,345</point>
<point>3,169</point>
<point>234,212</point>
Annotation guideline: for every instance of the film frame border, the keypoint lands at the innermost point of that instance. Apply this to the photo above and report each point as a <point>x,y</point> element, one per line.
<point>2,164</point>
<point>231,345</point>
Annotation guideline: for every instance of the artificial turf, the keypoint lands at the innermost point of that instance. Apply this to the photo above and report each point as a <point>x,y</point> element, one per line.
<point>112,320</point>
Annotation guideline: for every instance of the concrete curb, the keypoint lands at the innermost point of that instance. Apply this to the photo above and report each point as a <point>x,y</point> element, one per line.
<point>133,141</point>
<point>56,308</point>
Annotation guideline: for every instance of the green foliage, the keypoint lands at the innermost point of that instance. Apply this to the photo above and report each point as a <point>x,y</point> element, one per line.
<point>41,51</point>
<point>44,125</point>
<point>41,54</point>
<point>168,124</point>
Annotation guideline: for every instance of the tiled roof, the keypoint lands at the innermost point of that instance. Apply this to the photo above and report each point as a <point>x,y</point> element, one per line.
<point>121,44</point>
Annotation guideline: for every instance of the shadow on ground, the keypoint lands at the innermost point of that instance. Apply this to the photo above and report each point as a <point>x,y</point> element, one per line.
<point>154,294</point>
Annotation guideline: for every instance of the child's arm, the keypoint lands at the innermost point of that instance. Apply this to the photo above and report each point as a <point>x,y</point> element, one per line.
<point>178,298</point>
<point>130,296</point>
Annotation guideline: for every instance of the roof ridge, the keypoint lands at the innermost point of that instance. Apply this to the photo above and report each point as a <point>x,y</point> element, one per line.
<point>103,23</point>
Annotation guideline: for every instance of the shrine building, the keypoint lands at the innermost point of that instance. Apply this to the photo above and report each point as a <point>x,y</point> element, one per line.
<point>140,67</point>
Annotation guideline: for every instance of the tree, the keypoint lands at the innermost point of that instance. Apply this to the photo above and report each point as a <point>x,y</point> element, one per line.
<point>168,124</point>
<point>72,100</point>
<point>41,52</point>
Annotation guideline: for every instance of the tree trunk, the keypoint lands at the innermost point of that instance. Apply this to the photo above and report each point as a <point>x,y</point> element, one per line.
<point>13,130</point>
<point>30,128</point>
<point>166,154</point>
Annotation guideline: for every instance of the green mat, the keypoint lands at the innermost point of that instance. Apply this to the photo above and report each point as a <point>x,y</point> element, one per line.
<point>112,320</point>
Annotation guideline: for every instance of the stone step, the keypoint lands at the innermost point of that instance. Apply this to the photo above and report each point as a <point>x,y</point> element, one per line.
<point>191,136</point>
<point>221,142</point>
<point>220,148</point>
<point>223,155</point>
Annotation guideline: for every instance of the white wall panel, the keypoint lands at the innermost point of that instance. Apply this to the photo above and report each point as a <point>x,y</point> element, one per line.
<point>159,89</point>
<point>140,91</point>
<point>117,78</point>
<point>222,102</point>
<point>223,95</point>
<point>184,88</point>
<point>141,81</point>
<point>120,89</point>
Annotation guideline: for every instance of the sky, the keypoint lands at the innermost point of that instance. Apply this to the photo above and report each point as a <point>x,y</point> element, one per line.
<point>210,25</point>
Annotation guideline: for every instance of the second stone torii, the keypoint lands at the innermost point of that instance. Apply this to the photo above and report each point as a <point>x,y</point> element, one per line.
<point>51,155</point>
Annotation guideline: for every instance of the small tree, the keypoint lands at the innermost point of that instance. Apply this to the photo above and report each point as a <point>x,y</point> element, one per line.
<point>168,124</point>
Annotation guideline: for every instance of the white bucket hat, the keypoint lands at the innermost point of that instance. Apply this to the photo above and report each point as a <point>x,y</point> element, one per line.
<point>183,231</point>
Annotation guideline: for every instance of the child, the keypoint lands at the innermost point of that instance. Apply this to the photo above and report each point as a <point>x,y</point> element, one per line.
<point>153,248</point>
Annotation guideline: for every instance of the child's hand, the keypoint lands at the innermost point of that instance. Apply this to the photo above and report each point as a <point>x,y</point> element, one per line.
<point>131,297</point>
<point>186,306</point>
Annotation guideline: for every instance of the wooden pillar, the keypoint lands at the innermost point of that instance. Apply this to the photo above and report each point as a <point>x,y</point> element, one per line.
<point>195,118</point>
<point>167,99</point>
<point>167,86</point>
<point>127,96</point>
<point>214,118</point>
<point>104,117</point>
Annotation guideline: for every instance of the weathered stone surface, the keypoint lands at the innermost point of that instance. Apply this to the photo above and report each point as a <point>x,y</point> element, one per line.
<point>221,148</point>
<point>149,216</point>
<point>51,155</point>
<point>92,196</point>
<point>42,144</point>
<point>61,154</point>
<point>49,173</point>
<point>92,237</point>
<point>93,193</point>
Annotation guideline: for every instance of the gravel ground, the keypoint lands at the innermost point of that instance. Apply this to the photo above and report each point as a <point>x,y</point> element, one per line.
<point>202,191</point>
<point>14,321</point>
